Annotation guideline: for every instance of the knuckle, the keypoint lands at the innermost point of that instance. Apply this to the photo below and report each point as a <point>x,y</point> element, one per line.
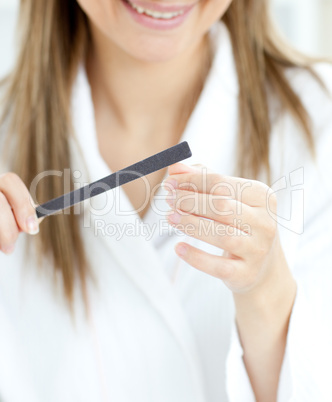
<point>222,206</point>
<point>260,185</point>
<point>222,186</point>
<point>269,227</point>
<point>14,187</point>
<point>271,199</point>
<point>9,177</point>
<point>2,197</point>
<point>215,179</point>
<point>263,191</point>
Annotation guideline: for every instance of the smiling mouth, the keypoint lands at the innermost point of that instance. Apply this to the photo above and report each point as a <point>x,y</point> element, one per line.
<point>155,14</point>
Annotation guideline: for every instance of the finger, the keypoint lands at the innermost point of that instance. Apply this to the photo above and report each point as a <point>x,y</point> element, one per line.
<point>180,168</point>
<point>217,234</point>
<point>8,229</point>
<point>19,199</point>
<point>250,192</point>
<point>40,220</point>
<point>219,267</point>
<point>215,207</point>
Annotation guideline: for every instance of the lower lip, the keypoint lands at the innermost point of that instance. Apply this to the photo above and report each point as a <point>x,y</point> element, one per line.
<point>155,23</point>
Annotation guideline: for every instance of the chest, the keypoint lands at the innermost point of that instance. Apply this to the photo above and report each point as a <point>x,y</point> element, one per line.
<point>121,151</point>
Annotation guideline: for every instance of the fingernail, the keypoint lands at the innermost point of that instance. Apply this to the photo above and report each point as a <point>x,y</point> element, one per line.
<point>175,217</point>
<point>32,225</point>
<point>181,250</point>
<point>170,198</point>
<point>169,184</point>
<point>194,168</point>
<point>9,249</point>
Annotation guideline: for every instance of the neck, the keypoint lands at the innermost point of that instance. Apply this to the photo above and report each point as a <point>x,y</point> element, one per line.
<point>142,98</point>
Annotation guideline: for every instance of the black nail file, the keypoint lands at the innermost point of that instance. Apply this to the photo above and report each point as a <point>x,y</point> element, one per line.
<point>146,166</point>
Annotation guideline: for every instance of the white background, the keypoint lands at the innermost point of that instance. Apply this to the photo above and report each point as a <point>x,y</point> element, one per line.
<point>306,23</point>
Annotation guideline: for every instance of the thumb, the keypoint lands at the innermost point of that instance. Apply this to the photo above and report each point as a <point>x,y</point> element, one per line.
<point>40,220</point>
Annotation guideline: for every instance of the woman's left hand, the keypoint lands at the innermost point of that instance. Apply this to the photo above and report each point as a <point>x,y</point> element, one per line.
<point>233,214</point>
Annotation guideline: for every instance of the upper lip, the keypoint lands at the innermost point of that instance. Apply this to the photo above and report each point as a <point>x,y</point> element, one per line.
<point>162,8</point>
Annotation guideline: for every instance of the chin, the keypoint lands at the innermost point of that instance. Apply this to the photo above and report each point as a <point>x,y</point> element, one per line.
<point>156,51</point>
<point>155,56</point>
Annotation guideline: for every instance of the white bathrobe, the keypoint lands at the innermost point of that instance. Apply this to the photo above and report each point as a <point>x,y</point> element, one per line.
<point>158,330</point>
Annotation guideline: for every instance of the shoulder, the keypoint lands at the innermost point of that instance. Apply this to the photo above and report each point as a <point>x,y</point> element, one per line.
<point>289,148</point>
<point>302,79</point>
<point>314,88</point>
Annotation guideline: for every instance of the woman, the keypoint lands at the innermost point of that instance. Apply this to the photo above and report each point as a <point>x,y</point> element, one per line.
<point>101,308</point>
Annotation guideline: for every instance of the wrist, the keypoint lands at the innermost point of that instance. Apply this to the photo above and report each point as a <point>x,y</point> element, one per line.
<point>272,298</point>
<point>262,319</point>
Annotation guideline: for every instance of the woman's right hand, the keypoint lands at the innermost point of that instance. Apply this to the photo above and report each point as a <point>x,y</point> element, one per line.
<point>17,213</point>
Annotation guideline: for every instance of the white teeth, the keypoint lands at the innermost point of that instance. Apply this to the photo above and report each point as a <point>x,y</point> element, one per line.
<point>140,9</point>
<point>156,14</point>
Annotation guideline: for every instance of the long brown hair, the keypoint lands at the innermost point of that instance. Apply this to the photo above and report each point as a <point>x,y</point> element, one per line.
<point>53,41</point>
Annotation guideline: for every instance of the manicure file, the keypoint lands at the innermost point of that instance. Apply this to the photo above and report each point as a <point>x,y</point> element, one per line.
<point>146,166</point>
